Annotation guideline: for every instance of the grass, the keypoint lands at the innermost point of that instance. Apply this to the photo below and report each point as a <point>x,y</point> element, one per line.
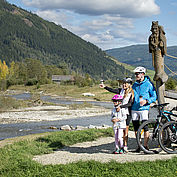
<point>7,103</point>
<point>16,159</point>
<point>80,106</point>
<point>68,91</point>
<point>150,73</point>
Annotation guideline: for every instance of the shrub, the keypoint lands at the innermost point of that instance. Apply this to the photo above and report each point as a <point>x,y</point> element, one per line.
<point>31,82</point>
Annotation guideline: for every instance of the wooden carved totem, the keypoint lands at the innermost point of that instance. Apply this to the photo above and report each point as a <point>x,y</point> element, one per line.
<point>158,48</point>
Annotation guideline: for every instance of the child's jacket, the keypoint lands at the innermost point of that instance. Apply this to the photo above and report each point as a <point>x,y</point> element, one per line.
<point>122,115</point>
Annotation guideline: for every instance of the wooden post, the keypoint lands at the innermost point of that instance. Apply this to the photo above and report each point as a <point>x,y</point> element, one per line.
<point>157,46</point>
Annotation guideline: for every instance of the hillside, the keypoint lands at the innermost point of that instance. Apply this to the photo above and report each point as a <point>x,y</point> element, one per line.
<point>138,55</point>
<point>25,35</point>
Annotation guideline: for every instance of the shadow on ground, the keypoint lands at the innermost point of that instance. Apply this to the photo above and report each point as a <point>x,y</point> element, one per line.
<point>102,148</point>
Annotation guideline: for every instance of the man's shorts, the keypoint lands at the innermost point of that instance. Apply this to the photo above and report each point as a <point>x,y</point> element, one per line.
<point>140,115</point>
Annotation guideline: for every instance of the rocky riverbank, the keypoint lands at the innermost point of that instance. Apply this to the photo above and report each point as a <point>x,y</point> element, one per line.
<point>49,113</point>
<point>52,113</point>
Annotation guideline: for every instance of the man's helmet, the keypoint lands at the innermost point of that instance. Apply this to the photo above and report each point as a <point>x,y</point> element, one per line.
<point>117,97</point>
<point>127,80</point>
<point>140,69</point>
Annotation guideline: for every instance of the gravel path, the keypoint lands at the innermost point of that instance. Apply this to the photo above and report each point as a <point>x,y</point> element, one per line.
<point>99,150</point>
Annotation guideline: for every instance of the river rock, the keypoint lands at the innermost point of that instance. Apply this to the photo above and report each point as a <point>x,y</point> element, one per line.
<point>78,127</point>
<point>91,126</point>
<point>99,127</point>
<point>72,128</point>
<point>52,127</point>
<point>65,128</point>
<point>105,126</point>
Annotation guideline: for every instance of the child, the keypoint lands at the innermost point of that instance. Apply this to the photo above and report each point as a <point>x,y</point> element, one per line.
<point>119,117</point>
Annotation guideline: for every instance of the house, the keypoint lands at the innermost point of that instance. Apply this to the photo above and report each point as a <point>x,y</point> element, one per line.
<point>59,78</point>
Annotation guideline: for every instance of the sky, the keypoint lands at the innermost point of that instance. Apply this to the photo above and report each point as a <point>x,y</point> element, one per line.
<point>108,23</point>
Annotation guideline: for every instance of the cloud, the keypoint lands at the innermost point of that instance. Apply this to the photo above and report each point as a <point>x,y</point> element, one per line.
<point>105,23</point>
<point>58,17</point>
<point>102,31</point>
<point>125,8</point>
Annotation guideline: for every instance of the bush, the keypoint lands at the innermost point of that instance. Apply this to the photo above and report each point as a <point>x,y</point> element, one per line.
<point>114,83</point>
<point>31,82</point>
<point>170,84</point>
<point>3,85</point>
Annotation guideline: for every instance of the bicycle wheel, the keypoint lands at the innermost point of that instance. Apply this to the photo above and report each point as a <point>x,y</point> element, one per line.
<point>152,140</point>
<point>168,137</point>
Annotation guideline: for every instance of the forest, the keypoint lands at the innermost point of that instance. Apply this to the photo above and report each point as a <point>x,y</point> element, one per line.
<point>24,35</point>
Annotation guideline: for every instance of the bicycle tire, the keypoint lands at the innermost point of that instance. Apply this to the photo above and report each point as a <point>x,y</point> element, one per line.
<point>168,137</point>
<point>153,144</point>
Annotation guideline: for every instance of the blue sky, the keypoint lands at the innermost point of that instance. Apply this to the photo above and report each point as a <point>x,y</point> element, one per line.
<point>108,23</point>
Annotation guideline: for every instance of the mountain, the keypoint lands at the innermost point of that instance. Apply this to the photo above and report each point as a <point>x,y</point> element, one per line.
<point>26,35</point>
<point>138,55</point>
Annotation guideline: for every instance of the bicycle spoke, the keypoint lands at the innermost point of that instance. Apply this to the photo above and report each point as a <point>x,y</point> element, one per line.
<point>149,145</point>
<point>168,137</point>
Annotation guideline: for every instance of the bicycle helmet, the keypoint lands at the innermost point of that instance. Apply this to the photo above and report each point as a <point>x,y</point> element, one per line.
<point>117,98</point>
<point>127,80</point>
<point>140,69</point>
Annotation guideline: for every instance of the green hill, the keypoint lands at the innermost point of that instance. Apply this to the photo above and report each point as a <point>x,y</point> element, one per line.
<point>138,55</point>
<point>25,35</point>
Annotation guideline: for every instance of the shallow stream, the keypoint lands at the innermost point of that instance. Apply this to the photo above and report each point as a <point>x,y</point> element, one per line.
<point>21,129</point>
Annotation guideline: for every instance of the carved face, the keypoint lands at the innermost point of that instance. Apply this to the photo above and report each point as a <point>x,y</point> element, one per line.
<point>155,28</point>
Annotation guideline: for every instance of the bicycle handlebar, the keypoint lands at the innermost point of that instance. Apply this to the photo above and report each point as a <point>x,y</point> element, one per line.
<point>160,105</point>
<point>163,105</point>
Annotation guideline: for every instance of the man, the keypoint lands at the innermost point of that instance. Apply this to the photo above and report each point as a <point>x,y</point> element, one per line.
<point>144,95</point>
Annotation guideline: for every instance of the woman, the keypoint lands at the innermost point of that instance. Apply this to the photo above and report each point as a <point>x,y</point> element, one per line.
<point>128,95</point>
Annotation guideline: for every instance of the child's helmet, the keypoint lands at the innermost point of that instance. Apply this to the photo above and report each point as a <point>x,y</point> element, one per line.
<point>117,97</point>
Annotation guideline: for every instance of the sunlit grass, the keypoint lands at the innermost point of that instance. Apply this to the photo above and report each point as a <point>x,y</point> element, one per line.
<point>16,159</point>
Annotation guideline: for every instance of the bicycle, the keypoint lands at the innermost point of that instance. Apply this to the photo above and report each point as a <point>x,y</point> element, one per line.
<point>168,137</point>
<point>153,126</point>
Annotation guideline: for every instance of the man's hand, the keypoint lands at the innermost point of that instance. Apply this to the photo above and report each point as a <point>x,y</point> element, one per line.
<point>143,102</point>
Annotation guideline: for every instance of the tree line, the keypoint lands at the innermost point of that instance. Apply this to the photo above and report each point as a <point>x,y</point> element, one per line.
<point>33,72</point>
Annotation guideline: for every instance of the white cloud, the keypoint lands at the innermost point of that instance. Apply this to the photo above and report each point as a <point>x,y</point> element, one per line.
<point>58,17</point>
<point>101,30</point>
<point>126,8</point>
<point>106,23</point>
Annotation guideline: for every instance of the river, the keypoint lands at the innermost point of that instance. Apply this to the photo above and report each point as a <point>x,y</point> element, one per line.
<point>21,129</point>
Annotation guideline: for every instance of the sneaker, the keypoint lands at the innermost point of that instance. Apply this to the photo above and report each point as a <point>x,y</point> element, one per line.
<point>146,147</point>
<point>121,151</point>
<point>126,149</point>
<point>116,151</point>
<point>138,150</point>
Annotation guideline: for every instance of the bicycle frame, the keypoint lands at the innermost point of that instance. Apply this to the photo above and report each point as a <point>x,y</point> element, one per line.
<point>162,113</point>
<point>166,114</point>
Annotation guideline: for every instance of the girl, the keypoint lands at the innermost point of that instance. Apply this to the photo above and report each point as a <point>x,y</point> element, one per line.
<point>118,117</point>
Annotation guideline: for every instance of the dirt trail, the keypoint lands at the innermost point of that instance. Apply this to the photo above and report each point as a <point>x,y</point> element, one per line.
<point>99,150</point>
